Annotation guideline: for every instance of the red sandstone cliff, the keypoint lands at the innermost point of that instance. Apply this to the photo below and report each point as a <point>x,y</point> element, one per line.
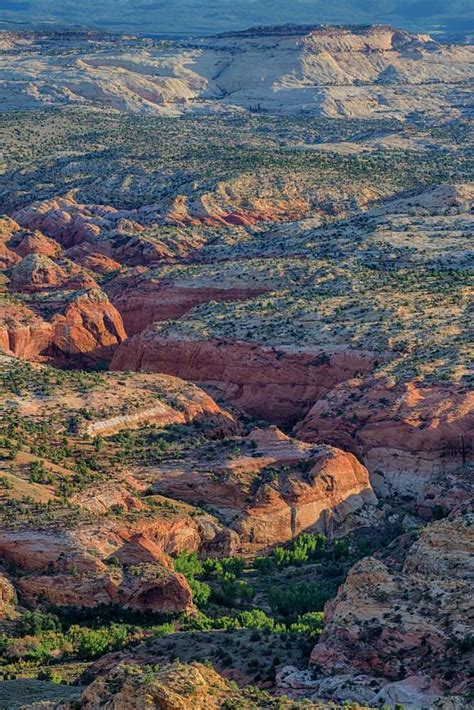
<point>275,384</point>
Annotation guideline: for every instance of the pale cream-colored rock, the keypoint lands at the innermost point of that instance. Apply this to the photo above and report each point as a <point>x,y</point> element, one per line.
<point>330,71</point>
<point>175,687</point>
<point>408,618</point>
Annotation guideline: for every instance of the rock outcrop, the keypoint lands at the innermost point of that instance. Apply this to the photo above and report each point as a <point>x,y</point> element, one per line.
<point>173,687</point>
<point>22,332</point>
<point>145,302</point>
<point>416,440</point>
<point>7,595</point>
<point>140,588</point>
<point>333,71</point>
<point>90,326</point>
<point>72,569</point>
<point>37,243</point>
<point>8,229</point>
<point>274,490</point>
<point>406,615</point>
<point>35,272</point>
<point>275,384</point>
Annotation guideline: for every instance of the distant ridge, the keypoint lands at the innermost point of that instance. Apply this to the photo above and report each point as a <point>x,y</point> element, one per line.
<point>205,17</point>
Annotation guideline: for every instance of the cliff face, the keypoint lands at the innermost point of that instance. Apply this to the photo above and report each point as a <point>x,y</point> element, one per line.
<point>89,327</point>
<point>274,489</point>
<point>142,304</point>
<point>271,383</point>
<point>152,588</point>
<point>71,569</point>
<point>414,439</point>
<point>405,617</point>
<point>22,332</point>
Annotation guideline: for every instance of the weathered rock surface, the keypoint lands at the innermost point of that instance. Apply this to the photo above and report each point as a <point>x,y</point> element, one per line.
<point>408,617</point>
<point>35,272</point>
<point>174,687</point>
<point>142,304</point>
<point>90,257</point>
<point>416,440</point>
<point>333,71</point>
<point>151,588</point>
<point>274,384</point>
<point>274,490</point>
<point>141,399</point>
<point>22,332</point>
<point>7,595</point>
<point>37,243</point>
<point>38,272</point>
<point>70,568</point>
<point>8,228</point>
<point>90,326</point>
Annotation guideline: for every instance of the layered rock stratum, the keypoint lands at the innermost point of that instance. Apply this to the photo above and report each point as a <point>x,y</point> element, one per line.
<point>350,72</point>
<point>235,314</point>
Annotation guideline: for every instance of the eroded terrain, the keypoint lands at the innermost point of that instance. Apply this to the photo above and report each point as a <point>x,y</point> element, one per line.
<point>236,416</point>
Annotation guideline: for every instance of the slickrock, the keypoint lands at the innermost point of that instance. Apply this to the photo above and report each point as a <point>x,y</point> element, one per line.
<point>90,326</point>
<point>8,228</point>
<point>141,588</point>
<point>142,399</point>
<point>274,384</point>
<point>275,490</point>
<point>174,687</point>
<point>90,257</point>
<point>203,407</point>
<point>38,272</point>
<point>37,243</point>
<point>415,439</point>
<point>58,218</point>
<point>71,568</point>
<point>399,618</point>
<point>33,550</point>
<point>35,272</point>
<point>335,486</point>
<point>22,332</point>
<point>332,71</point>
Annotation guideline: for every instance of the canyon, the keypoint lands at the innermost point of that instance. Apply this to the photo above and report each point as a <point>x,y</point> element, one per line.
<point>236,412</point>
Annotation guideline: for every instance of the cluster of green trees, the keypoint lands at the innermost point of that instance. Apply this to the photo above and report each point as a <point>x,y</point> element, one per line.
<point>42,637</point>
<point>303,549</point>
<point>294,600</point>
<point>227,590</point>
<point>310,623</point>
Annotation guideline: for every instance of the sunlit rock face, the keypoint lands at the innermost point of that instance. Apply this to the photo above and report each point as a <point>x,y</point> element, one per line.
<point>346,71</point>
